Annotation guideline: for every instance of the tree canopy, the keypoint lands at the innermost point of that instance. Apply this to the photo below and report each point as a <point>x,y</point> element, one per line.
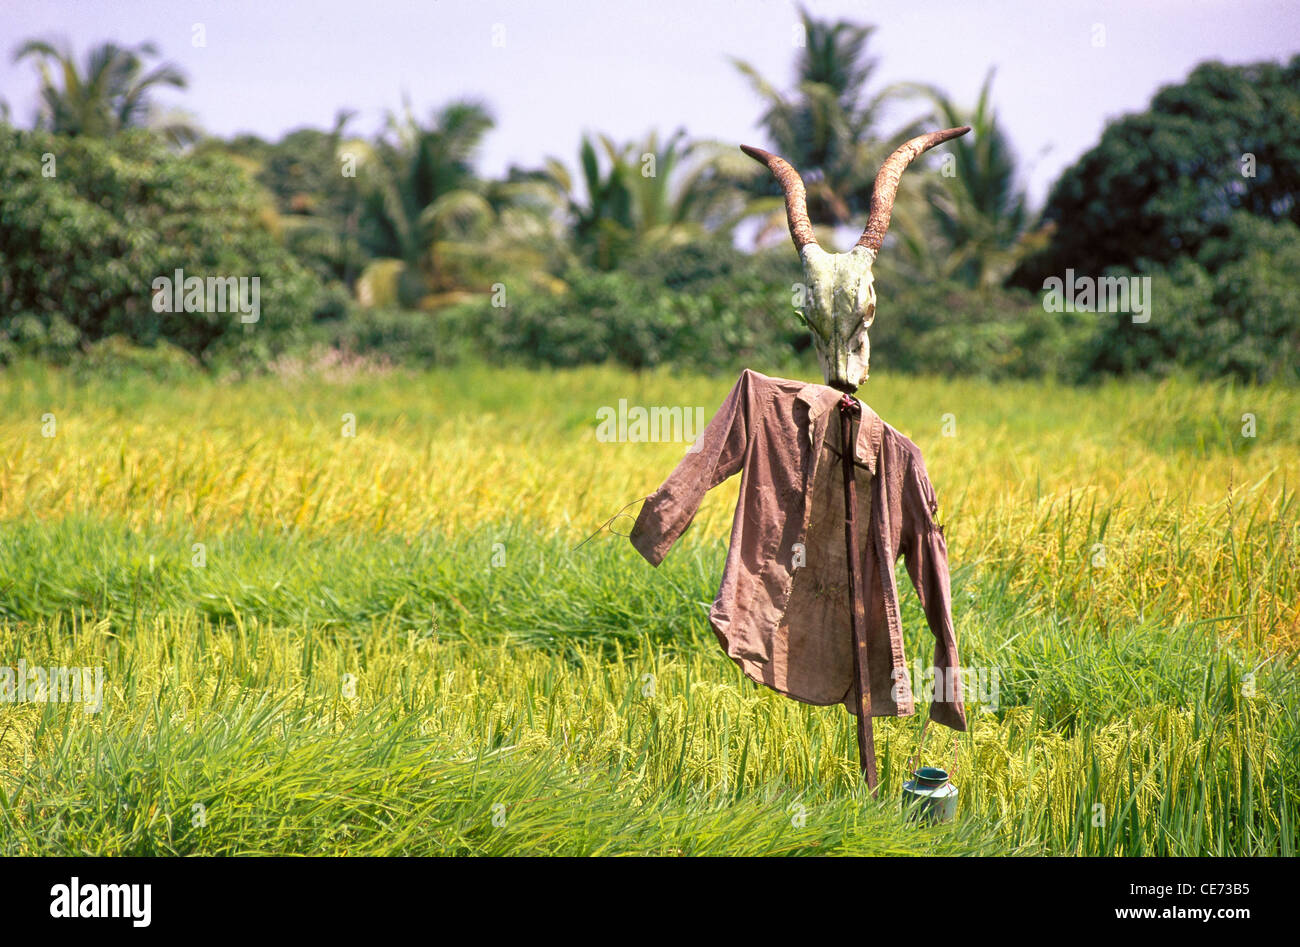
<point>1162,183</point>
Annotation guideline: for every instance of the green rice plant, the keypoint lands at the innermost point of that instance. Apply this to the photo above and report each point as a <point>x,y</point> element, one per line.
<point>386,634</point>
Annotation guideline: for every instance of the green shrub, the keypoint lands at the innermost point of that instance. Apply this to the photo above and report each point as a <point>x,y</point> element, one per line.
<point>696,306</point>
<point>413,337</point>
<point>1232,312</point>
<point>116,357</point>
<point>87,225</point>
<point>955,330</point>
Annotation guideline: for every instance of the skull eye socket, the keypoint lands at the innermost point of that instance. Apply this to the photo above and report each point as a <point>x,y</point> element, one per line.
<point>867,305</point>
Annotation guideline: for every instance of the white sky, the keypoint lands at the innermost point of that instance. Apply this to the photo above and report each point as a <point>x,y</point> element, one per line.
<point>623,68</point>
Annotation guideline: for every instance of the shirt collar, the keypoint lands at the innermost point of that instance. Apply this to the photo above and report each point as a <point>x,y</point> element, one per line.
<point>821,398</point>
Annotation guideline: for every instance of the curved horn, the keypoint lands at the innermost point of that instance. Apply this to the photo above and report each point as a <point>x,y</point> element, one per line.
<point>796,198</point>
<point>882,197</point>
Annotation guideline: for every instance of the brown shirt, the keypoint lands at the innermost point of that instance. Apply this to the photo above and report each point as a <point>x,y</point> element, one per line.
<point>782,612</point>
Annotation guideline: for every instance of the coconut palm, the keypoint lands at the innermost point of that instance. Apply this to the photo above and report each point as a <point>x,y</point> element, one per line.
<point>682,189</point>
<point>112,92</point>
<point>600,216</point>
<point>977,208</point>
<point>650,193</point>
<point>828,127</point>
<point>418,191</point>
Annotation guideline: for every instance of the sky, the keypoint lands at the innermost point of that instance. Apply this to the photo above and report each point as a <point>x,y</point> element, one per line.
<point>552,69</point>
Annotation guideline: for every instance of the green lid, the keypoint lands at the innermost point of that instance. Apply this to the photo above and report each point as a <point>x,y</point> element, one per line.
<point>931,777</point>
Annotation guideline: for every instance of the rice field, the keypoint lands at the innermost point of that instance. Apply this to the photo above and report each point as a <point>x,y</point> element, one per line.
<point>351,612</point>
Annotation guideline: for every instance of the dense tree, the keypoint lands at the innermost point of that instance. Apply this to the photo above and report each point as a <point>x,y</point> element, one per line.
<point>87,226</point>
<point>317,206</point>
<point>629,256</point>
<point>1162,183</point>
<point>1229,312</point>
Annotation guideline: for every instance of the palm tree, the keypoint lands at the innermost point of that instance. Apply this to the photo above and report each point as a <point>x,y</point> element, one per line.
<point>827,128</point>
<point>601,219</point>
<point>650,193</point>
<point>418,191</point>
<point>683,189</point>
<point>979,212</point>
<point>111,93</point>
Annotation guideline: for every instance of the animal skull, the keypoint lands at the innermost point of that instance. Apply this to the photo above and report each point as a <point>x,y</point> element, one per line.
<point>840,291</point>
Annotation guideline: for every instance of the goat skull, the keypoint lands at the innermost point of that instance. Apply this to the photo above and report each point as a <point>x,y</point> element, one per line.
<point>840,291</point>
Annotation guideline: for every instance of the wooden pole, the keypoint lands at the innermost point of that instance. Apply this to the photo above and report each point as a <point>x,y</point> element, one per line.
<point>850,417</point>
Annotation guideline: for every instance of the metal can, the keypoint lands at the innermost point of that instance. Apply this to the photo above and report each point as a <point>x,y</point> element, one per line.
<point>930,795</point>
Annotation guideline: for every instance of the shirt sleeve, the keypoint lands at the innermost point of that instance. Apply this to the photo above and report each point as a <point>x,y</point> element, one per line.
<point>717,454</point>
<point>926,554</point>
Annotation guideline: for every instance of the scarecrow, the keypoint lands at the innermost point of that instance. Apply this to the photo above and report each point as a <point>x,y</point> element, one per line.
<point>830,497</point>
